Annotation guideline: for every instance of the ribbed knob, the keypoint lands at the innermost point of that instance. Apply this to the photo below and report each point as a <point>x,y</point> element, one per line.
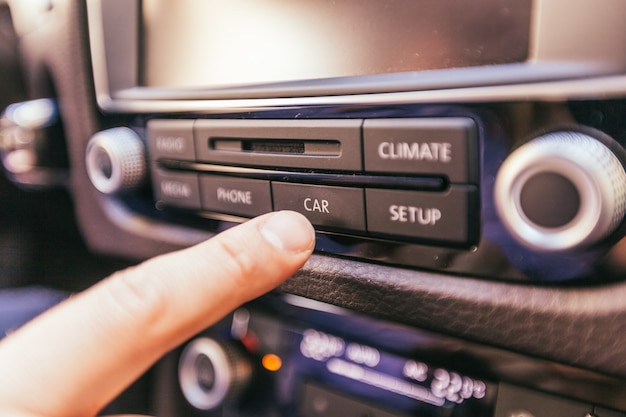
<point>561,191</point>
<point>116,160</point>
<point>212,373</point>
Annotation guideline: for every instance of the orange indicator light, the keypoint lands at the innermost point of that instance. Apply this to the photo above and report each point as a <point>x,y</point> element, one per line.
<point>272,362</point>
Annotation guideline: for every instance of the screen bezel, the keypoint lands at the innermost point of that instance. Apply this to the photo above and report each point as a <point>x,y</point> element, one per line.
<point>580,49</point>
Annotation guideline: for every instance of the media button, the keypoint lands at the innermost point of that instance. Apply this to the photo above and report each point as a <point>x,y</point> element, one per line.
<point>177,189</point>
<point>329,207</point>
<point>443,217</point>
<point>428,146</point>
<point>171,139</point>
<point>237,196</point>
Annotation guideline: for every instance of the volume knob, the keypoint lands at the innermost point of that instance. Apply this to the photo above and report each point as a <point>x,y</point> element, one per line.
<point>212,373</point>
<point>115,160</point>
<point>561,191</point>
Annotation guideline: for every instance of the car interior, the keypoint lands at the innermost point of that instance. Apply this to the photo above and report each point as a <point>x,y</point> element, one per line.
<point>463,164</point>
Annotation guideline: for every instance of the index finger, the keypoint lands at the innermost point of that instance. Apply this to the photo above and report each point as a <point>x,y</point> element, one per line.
<point>80,355</point>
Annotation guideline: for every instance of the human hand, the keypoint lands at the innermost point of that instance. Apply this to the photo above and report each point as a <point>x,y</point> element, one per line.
<point>78,356</point>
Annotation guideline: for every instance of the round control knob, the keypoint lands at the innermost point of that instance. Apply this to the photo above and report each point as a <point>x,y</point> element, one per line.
<point>116,160</point>
<point>561,191</point>
<point>212,373</point>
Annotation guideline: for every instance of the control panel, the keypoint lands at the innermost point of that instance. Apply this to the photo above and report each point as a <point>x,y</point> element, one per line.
<point>296,359</point>
<point>474,190</point>
<point>400,179</point>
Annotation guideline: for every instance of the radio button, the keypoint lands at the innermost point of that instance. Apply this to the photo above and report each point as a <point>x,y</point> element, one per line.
<point>329,207</point>
<point>177,189</point>
<point>238,196</point>
<point>442,217</point>
<point>428,146</point>
<point>171,139</point>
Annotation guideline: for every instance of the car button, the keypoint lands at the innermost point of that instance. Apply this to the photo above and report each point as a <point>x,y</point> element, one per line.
<point>330,207</point>
<point>238,196</point>
<point>428,146</point>
<point>444,217</point>
<point>177,189</point>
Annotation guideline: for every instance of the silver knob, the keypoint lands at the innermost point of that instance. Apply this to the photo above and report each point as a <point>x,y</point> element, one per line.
<point>561,191</point>
<point>212,373</point>
<point>116,160</point>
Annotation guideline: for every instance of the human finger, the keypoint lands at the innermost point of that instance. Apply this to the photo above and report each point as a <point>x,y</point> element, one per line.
<point>80,355</point>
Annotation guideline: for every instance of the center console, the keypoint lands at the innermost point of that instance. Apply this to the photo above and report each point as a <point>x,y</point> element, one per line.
<point>287,355</point>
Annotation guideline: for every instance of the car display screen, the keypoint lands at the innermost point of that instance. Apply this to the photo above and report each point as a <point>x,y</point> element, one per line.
<point>223,43</point>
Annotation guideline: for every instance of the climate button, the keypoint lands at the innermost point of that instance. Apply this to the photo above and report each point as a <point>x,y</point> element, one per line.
<point>443,146</point>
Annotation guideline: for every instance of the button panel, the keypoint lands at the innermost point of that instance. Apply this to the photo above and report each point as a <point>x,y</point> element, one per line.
<point>365,177</point>
<point>330,207</point>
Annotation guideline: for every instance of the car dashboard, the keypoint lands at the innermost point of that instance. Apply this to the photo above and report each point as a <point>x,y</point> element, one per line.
<point>464,169</point>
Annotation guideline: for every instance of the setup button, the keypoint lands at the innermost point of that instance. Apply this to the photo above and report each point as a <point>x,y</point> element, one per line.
<point>329,207</point>
<point>442,217</point>
<point>238,196</point>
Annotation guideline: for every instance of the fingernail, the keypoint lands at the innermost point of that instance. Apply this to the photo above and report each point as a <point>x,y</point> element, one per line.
<point>288,231</point>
